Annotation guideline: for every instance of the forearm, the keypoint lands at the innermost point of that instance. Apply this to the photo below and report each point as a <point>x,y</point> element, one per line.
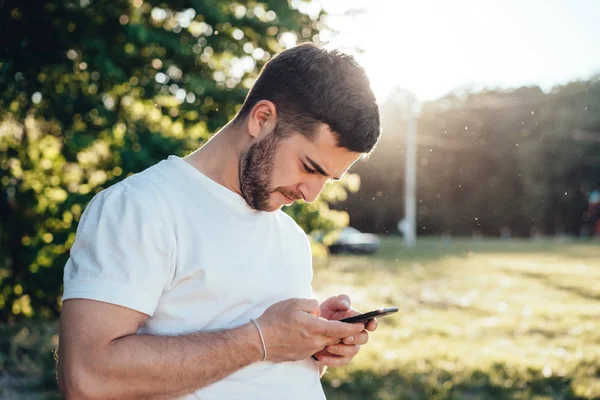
<point>162,367</point>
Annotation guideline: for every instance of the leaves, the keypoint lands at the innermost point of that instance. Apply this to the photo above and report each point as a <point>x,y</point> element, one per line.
<point>94,91</point>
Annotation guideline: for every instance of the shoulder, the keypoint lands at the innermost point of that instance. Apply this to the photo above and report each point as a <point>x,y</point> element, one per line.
<point>149,183</point>
<point>130,203</point>
<point>143,190</point>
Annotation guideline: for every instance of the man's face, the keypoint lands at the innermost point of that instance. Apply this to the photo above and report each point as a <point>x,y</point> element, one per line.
<point>275,172</point>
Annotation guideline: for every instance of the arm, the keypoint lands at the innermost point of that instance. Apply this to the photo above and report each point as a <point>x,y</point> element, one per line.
<point>101,357</point>
<point>100,360</point>
<point>121,262</point>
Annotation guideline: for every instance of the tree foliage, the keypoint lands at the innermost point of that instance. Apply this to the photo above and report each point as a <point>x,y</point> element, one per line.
<point>92,91</point>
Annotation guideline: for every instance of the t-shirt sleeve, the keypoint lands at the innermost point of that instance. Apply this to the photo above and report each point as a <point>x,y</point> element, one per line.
<point>122,254</point>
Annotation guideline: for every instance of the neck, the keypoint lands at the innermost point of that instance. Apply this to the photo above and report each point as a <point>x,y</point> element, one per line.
<point>219,158</point>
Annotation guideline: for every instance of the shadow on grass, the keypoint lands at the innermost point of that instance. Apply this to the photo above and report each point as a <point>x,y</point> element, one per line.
<point>548,281</point>
<point>498,383</point>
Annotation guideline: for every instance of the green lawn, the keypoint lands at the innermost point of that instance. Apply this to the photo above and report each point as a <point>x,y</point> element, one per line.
<point>478,320</point>
<point>481,319</point>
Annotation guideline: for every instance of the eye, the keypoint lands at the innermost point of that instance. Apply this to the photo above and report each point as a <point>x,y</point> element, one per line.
<point>309,170</point>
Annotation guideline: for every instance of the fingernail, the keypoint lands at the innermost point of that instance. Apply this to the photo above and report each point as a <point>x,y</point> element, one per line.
<point>345,303</point>
<point>350,339</point>
<point>333,348</point>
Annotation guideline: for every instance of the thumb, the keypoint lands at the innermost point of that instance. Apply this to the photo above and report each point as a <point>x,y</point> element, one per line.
<point>310,306</point>
<point>342,302</point>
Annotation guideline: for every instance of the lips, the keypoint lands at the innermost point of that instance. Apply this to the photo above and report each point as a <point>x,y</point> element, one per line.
<point>289,199</point>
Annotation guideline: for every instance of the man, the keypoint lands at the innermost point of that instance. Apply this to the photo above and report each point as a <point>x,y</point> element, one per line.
<point>187,281</point>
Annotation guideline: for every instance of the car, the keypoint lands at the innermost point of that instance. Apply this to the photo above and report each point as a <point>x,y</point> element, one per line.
<point>351,240</point>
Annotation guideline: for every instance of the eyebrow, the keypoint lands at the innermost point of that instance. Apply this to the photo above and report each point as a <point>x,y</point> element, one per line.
<point>320,169</point>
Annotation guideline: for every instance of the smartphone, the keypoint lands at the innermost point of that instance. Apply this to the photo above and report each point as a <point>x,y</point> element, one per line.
<point>370,315</point>
<point>367,317</point>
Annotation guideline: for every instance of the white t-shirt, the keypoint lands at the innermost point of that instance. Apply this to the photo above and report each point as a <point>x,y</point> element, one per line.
<point>175,245</point>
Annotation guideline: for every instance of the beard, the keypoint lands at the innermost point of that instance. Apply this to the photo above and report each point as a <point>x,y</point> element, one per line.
<point>256,172</point>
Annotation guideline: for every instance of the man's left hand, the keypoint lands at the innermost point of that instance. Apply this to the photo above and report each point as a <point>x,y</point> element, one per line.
<point>336,308</point>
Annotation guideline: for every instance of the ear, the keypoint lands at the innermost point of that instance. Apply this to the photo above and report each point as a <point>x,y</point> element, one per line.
<point>262,119</point>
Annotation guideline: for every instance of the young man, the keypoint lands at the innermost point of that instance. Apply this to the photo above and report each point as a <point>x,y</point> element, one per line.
<point>187,281</point>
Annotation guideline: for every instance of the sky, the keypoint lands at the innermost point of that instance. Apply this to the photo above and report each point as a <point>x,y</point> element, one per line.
<point>434,47</point>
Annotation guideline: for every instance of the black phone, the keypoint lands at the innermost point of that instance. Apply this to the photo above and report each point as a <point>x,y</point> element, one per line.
<point>367,317</point>
<point>370,315</point>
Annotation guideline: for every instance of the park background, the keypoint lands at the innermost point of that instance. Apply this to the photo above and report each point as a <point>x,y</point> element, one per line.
<point>500,295</point>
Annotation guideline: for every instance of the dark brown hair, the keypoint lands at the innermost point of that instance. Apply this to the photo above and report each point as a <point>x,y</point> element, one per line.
<point>308,85</point>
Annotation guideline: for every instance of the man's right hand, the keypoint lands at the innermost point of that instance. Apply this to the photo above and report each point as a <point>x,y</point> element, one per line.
<point>293,330</point>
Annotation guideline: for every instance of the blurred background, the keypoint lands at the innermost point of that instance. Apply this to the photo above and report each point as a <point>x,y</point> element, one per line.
<point>478,214</point>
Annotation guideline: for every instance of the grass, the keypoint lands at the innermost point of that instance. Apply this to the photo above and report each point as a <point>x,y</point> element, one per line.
<point>486,319</point>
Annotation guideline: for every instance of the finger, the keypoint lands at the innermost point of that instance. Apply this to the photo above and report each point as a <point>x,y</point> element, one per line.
<point>334,361</point>
<point>361,338</point>
<point>343,350</point>
<point>339,330</point>
<point>372,325</point>
<point>310,306</point>
<point>342,302</point>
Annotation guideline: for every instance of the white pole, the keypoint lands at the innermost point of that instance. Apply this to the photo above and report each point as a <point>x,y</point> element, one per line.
<point>410,183</point>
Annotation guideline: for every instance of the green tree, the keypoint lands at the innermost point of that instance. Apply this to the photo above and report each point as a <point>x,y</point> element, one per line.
<point>93,91</point>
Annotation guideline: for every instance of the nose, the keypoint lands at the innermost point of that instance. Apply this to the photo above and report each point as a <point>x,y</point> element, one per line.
<point>310,191</point>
